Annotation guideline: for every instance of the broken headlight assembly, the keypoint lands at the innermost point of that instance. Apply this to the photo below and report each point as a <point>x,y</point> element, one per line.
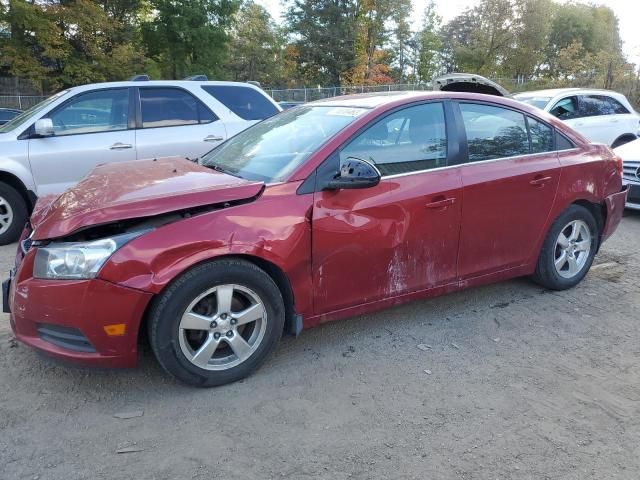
<point>78,260</point>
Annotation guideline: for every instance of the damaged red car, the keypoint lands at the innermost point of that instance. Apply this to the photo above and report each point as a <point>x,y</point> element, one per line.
<point>325,211</point>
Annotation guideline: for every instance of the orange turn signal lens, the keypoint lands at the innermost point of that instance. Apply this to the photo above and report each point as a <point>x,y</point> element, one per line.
<point>115,329</point>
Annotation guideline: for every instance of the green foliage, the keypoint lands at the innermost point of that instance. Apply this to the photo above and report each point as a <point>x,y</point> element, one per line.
<point>189,37</point>
<point>257,47</point>
<point>57,43</point>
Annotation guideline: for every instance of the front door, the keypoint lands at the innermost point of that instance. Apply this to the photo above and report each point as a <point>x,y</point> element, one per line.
<point>509,182</point>
<point>399,236</point>
<point>90,129</point>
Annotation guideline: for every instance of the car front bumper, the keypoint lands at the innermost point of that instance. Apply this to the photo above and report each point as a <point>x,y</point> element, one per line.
<point>74,320</point>
<point>633,199</point>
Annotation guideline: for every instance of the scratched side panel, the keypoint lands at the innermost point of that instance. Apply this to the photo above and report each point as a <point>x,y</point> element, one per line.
<point>383,241</point>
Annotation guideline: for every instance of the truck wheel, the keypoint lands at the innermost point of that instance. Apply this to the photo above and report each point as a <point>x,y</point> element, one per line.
<point>568,250</point>
<point>13,214</point>
<point>217,322</point>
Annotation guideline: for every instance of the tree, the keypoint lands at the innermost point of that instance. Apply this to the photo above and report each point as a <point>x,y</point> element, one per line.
<point>324,33</point>
<point>189,37</point>
<point>429,43</point>
<point>479,39</point>
<point>65,43</point>
<point>257,47</point>
<point>531,29</point>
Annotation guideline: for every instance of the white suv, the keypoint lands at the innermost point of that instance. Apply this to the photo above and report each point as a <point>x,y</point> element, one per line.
<point>602,116</point>
<point>50,147</point>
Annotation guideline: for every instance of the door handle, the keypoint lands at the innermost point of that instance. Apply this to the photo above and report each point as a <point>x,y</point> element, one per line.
<point>120,146</point>
<point>444,203</point>
<point>538,181</point>
<point>213,138</point>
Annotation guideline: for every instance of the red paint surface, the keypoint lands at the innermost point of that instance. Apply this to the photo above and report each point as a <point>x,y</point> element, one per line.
<point>343,252</point>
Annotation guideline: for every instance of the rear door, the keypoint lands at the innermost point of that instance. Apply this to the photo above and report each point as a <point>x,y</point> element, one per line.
<point>91,128</point>
<point>598,119</point>
<point>399,236</point>
<point>510,177</point>
<point>172,122</point>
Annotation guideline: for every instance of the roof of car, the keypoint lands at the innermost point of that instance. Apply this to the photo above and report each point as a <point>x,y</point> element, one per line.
<point>554,92</point>
<point>160,83</point>
<point>372,100</point>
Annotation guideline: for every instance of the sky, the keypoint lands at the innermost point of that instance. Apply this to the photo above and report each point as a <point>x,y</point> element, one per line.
<point>627,11</point>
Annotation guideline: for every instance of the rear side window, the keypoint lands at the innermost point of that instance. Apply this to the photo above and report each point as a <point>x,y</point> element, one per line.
<point>615,107</point>
<point>563,143</point>
<point>245,102</point>
<point>494,132</point>
<point>593,106</point>
<point>409,140</point>
<point>541,136</point>
<point>596,105</point>
<point>171,107</point>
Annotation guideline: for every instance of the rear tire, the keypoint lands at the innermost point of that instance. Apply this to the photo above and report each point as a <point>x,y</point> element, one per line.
<point>217,323</point>
<point>13,214</point>
<point>568,250</point>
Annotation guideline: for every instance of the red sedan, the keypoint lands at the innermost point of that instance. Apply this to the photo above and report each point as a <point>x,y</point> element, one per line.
<point>325,211</point>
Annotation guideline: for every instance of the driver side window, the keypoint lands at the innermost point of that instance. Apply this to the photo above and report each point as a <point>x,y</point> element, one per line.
<point>566,109</point>
<point>409,140</point>
<point>93,112</point>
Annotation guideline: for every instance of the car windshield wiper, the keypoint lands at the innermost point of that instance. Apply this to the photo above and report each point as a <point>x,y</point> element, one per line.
<point>218,168</point>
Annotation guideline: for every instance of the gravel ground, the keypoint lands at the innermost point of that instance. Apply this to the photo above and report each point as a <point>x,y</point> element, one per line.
<point>511,382</point>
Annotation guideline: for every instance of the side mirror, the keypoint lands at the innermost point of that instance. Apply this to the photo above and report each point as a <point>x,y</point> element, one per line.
<point>354,173</point>
<point>43,127</point>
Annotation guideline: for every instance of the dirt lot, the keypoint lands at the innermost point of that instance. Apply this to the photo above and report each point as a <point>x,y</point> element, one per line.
<point>523,383</point>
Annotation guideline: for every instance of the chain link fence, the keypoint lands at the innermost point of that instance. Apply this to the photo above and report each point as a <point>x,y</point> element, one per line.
<point>21,102</point>
<point>310,94</point>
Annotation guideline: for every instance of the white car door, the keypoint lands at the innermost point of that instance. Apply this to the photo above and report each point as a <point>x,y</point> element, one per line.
<point>89,129</point>
<point>175,123</point>
<point>598,121</point>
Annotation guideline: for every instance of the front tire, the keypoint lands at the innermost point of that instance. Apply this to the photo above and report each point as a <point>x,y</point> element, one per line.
<point>13,214</point>
<point>217,323</point>
<point>568,250</point>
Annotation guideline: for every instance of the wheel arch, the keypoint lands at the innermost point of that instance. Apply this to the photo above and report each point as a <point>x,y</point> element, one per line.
<point>293,321</point>
<point>629,137</point>
<point>14,181</point>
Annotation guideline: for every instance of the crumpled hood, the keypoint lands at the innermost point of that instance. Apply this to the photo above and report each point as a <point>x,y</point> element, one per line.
<point>143,188</point>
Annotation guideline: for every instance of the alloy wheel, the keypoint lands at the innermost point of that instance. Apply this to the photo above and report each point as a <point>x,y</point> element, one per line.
<point>572,249</point>
<point>6,215</point>
<point>222,327</point>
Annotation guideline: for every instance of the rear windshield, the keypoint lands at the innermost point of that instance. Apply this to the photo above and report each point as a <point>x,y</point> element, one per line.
<point>245,102</point>
<point>539,102</point>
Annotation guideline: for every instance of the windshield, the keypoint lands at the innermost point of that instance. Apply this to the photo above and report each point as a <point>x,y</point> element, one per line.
<point>7,127</point>
<point>272,149</point>
<point>539,102</point>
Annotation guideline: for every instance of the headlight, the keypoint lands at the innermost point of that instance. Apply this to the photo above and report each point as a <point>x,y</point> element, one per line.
<point>77,260</point>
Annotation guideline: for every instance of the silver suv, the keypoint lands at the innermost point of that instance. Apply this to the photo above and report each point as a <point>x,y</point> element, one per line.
<point>50,147</point>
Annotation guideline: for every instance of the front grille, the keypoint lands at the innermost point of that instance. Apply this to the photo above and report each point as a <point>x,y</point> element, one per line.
<point>65,337</point>
<point>630,171</point>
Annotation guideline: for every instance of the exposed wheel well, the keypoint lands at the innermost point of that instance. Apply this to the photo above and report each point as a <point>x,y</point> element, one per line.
<point>16,183</point>
<point>276,274</point>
